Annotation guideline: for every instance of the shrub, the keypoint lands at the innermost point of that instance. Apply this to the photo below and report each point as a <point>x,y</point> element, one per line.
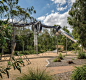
<point>73,59</point>
<point>81,55</point>
<point>25,52</point>
<point>79,73</point>
<point>60,56</point>
<point>36,75</point>
<point>57,59</point>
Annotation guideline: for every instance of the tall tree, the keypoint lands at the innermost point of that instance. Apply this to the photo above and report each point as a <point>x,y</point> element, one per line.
<point>77,20</point>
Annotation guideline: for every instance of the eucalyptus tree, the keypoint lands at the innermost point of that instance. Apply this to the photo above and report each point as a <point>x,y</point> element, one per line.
<point>77,20</point>
<point>11,10</point>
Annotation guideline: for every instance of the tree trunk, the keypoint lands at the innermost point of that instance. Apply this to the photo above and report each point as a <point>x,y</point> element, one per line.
<point>2,53</point>
<point>57,44</point>
<point>13,48</point>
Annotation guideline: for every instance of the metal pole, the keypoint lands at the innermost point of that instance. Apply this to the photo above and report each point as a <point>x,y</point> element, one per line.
<point>57,44</point>
<point>66,45</point>
<point>36,41</point>
<point>37,45</point>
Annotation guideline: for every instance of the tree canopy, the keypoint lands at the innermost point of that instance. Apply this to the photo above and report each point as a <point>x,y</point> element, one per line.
<point>77,20</point>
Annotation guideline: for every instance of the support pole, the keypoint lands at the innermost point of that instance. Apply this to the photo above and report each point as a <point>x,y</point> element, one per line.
<point>23,46</point>
<point>66,45</point>
<point>37,45</point>
<point>57,44</point>
<point>35,41</point>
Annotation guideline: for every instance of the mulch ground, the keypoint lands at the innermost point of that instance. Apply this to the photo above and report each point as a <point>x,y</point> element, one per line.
<point>64,62</point>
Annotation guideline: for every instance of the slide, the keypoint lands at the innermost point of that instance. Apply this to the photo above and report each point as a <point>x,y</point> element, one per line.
<point>67,35</point>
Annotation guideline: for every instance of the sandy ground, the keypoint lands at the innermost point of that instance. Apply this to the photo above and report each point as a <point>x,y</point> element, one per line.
<point>38,61</point>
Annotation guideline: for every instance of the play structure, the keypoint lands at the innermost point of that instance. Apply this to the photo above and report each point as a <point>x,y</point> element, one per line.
<point>37,27</point>
<point>60,48</point>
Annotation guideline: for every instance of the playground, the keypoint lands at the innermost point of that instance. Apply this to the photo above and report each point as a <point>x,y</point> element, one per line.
<point>40,60</point>
<point>49,47</point>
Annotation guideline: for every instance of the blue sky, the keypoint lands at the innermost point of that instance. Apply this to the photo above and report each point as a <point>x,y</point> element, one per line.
<point>49,12</point>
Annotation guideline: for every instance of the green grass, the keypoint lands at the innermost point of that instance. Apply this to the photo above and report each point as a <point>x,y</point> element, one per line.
<point>36,75</point>
<point>79,73</point>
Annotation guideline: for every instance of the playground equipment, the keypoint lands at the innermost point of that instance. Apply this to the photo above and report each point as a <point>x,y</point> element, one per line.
<point>61,47</point>
<point>37,28</point>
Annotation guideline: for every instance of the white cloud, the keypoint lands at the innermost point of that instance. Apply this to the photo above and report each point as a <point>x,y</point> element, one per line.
<point>72,1</point>
<point>56,18</point>
<point>62,8</point>
<point>47,14</point>
<point>52,11</point>
<point>10,20</point>
<point>41,18</point>
<point>59,1</point>
<point>48,5</point>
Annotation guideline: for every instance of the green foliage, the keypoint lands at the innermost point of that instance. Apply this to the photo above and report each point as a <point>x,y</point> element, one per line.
<point>36,75</point>
<point>16,65</point>
<point>79,73</point>
<point>77,20</point>
<point>4,71</point>
<point>5,34</point>
<point>57,59</point>
<point>81,55</point>
<point>60,56</point>
<point>73,59</point>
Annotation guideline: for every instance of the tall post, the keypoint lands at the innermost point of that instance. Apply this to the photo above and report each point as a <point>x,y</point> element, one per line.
<point>66,45</point>
<point>37,45</point>
<point>57,44</point>
<point>35,41</point>
<point>23,46</point>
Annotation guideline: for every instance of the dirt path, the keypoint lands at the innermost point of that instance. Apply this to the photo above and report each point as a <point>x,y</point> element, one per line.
<point>38,62</point>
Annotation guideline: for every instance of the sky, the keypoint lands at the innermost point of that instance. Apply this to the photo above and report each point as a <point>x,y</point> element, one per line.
<point>50,12</point>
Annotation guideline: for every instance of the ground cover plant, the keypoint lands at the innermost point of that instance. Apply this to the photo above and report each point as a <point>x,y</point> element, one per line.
<point>81,55</point>
<point>79,73</point>
<point>59,58</point>
<point>37,74</point>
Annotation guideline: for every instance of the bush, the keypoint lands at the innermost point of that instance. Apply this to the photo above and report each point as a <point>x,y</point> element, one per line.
<point>60,56</point>
<point>81,55</point>
<point>79,73</point>
<point>57,59</point>
<point>36,75</point>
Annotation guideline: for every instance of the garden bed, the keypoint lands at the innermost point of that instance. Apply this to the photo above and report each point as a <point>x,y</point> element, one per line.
<point>64,62</point>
